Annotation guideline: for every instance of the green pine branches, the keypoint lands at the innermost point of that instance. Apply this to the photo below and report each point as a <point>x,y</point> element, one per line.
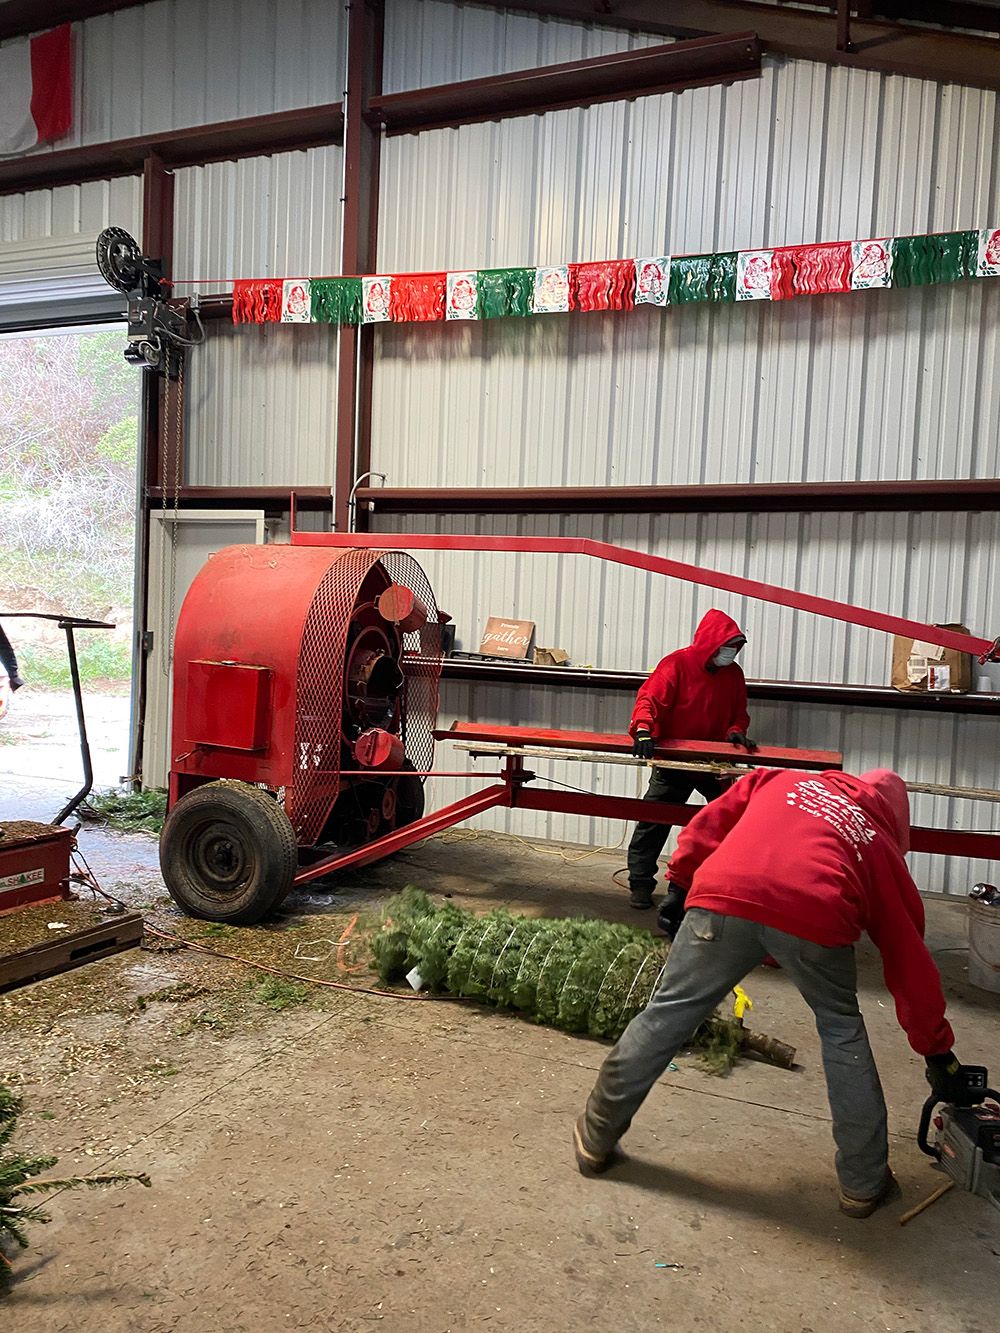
<point>580,975</point>
<point>17,1172</point>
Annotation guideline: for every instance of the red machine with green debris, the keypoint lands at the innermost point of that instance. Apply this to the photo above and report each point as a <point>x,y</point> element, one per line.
<point>304,711</point>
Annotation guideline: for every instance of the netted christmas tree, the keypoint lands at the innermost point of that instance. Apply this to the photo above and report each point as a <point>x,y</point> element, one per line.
<point>17,1172</point>
<point>577,974</point>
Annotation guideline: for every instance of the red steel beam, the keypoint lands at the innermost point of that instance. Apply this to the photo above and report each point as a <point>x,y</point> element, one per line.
<point>603,807</point>
<point>758,498</point>
<point>267,497</point>
<point>942,842</point>
<point>953,842</point>
<point>626,74</point>
<point>20,17</point>
<point>158,243</point>
<point>844,25</point>
<point>254,136</point>
<point>891,48</point>
<point>356,347</point>
<point>944,13</point>
<point>656,564</point>
<point>447,817</point>
<point>766,756</point>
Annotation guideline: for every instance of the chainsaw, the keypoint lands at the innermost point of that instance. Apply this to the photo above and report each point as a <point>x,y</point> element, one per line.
<point>966,1134</point>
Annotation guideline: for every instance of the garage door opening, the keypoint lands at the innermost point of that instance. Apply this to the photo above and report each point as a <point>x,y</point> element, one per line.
<point>69,426</point>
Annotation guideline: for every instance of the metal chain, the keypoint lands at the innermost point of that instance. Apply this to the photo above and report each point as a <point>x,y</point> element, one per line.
<point>168,601</point>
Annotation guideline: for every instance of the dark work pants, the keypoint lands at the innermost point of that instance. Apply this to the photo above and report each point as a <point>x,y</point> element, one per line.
<point>711,954</point>
<point>648,840</point>
<point>8,660</point>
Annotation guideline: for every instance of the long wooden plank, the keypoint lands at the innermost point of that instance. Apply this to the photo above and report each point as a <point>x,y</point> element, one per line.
<point>767,756</point>
<point>61,955</point>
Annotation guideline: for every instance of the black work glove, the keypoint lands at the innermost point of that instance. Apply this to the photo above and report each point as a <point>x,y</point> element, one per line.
<point>671,911</point>
<point>642,745</point>
<point>741,738</point>
<point>942,1075</point>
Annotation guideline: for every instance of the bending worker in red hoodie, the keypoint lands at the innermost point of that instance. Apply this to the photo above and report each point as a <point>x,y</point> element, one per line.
<point>796,866</point>
<point>695,694</point>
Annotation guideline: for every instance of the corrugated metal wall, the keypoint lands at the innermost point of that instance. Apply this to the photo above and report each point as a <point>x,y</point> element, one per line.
<point>881,385</point>
<point>262,407</point>
<point>616,618</point>
<point>429,42</point>
<point>178,63</point>
<point>71,210</point>
<point>187,62</point>
<point>892,384</point>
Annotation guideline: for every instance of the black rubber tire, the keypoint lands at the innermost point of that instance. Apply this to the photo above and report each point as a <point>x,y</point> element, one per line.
<point>228,853</point>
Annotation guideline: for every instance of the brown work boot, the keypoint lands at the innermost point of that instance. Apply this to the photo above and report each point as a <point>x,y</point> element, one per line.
<point>590,1162</point>
<point>860,1208</point>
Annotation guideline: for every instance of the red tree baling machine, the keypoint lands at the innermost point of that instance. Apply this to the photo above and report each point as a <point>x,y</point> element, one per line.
<point>305,703</point>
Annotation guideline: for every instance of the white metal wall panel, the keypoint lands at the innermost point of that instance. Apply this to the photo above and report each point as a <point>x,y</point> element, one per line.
<point>613,617</point>
<point>72,210</point>
<point>616,618</point>
<point>262,407</point>
<point>261,400</point>
<point>176,63</point>
<point>428,42</point>
<point>881,384</point>
<point>259,217</point>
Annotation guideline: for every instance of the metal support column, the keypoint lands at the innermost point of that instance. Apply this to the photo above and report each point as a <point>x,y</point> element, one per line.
<point>362,141</point>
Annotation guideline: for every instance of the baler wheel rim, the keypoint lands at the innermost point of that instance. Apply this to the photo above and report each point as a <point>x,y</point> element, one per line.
<point>228,853</point>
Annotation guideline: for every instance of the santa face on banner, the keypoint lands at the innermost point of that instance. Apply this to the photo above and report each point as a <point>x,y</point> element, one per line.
<point>375,295</point>
<point>652,281</point>
<point>753,275</point>
<point>295,303</point>
<point>871,264</point>
<point>551,290</point>
<point>462,293</point>
<point>989,253</point>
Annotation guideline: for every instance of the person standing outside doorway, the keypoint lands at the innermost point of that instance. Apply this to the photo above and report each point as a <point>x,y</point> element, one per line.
<point>697,693</point>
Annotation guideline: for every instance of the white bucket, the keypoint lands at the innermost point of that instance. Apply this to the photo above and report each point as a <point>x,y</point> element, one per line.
<point>984,946</point>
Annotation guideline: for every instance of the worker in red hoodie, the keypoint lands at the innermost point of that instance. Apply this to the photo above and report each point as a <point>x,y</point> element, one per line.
<point>695,694</point>
<point>796,866</point>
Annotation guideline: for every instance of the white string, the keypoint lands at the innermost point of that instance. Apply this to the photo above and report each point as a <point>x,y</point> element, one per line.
<point>490,927</point>
<point>502,952</point>
<point>606,975</point>
<point>657,981</point>
<point>635,979</point>
<point>525,958</point>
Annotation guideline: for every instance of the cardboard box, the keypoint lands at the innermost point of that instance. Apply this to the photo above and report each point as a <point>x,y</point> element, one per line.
<point>923,667</point>
<point>551,657</point>
<point>507,638</point>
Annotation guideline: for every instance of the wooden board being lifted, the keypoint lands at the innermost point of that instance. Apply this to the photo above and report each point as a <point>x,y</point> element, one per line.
<point>30,952</point>
<point>766,756</point>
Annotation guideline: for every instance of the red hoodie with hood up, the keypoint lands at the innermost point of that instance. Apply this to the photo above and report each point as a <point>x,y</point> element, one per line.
<point>683,701</point>
<point>820,856</point>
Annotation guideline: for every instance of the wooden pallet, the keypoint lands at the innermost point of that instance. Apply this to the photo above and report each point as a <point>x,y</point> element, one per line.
<point>51,957</point>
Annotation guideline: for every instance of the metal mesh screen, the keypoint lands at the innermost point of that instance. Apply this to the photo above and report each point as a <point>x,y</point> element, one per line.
<point>320,695</point>
<point>421,663</point>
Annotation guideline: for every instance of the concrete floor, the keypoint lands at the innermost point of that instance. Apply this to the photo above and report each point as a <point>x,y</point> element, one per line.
<point>409,1164</point>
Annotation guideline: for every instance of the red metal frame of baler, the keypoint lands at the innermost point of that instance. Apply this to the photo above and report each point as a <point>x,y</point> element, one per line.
<point>514,790</point>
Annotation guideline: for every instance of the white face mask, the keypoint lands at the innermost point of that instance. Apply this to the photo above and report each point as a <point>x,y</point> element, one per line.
<point>726,655</point>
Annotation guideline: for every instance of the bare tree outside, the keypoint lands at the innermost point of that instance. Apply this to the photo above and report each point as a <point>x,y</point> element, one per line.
<point>68,442</point>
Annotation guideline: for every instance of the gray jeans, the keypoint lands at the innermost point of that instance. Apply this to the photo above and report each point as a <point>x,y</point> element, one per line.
<point>711,954</point>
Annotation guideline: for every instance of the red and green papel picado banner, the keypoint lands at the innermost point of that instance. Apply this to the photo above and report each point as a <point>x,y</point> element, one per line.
<point>621,284</point>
